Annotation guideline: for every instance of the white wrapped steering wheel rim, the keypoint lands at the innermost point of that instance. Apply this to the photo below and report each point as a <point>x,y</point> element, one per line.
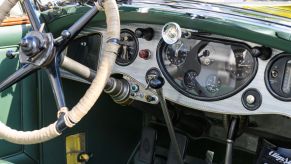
<point>73,116</point>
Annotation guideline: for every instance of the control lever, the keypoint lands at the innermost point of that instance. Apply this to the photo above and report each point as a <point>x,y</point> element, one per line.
<point>157,83</point>
<point>231,136</point>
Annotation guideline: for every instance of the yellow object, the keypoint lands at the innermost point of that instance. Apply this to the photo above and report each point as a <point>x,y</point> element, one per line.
<point>84,157</point>
<point>283,11</point>
<point>75,145</point>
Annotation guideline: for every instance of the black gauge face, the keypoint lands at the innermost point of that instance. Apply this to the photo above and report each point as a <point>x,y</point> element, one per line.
<point>176,53</point>
<point>213,83</point>
<point>278,77</point>
<point>244,64</point>
<point>128,50</point>
<point>207,69</point>
<point>189,79</point>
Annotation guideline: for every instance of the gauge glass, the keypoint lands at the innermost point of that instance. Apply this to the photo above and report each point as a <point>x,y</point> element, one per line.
<point>213,83</point>
<point>176,53</point>
<point>190,79</point>
<point>244,64</point>
<point>128,50</point>
<point>286,88</point>
<point>206,70</point>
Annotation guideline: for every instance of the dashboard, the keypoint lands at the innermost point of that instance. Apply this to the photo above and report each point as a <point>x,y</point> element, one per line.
<point>202,71</point>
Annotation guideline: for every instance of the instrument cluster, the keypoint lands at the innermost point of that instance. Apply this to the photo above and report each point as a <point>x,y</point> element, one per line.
<point>233,76</point>
<point>206,69</point>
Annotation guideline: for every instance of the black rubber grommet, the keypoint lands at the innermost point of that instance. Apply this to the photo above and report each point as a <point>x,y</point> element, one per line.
<point>257,99</point>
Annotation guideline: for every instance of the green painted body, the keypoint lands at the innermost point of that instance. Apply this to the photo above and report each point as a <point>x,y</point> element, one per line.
<point>57,22</point>
<point>19,102</point>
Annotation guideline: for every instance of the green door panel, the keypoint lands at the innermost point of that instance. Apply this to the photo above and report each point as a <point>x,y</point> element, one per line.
<point>19,102</point>
<point>4,162</point>
<point>11,35</point>
<point>112,131</point>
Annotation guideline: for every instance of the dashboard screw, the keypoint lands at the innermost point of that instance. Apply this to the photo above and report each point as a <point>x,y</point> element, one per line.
<point>274,74</point>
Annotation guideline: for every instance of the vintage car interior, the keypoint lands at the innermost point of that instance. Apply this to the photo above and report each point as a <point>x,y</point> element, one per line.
<point>144,82</point>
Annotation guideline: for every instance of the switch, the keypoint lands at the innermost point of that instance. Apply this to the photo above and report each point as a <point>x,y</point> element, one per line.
<point>262,52</point>
<point>134,88</point>
<point>251,99</point>
<point>150,98</point>
<point>147,33</point>
<point>144,54</point>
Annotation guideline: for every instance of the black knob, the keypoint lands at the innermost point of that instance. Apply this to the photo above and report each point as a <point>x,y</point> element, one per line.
<point>30,45</point>
<point>157,82</point>
<point>147,33</point>
<point>263,53</point>
<point>10,54</point>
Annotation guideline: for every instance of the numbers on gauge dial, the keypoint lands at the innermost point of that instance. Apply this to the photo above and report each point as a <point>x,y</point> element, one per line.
<point>176,53</point>
<point>190,79</point>
<point>244,64</point>
<point>213,83</point>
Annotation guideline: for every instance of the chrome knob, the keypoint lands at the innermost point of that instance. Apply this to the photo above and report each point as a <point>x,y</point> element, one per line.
<point>250,99</point>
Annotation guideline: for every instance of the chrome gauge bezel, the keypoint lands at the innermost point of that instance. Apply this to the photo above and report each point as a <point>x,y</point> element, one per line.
<point>172,82</point>
<point>178,31</point>
<point>136,48</point>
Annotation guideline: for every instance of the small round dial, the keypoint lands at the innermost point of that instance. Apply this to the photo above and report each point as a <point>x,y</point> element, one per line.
<point>176,53</point>
<point>244,64</point>
<point>128,50</point>
<point>213,83</point>
<point>190,79</point>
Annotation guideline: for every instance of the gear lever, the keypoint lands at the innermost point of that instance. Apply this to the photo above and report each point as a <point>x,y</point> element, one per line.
<point>231,135</point>
<point>157,83</point>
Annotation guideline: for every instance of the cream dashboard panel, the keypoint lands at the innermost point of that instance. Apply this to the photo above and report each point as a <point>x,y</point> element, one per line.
<point>232,105</point>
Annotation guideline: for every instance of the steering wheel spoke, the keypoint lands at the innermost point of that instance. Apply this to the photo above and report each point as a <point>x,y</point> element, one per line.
<point>53,71</point>
<point>46,55</point>
<point>20,74</point>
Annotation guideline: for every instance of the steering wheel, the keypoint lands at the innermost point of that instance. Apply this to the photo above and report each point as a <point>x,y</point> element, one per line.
<point>39,50</point>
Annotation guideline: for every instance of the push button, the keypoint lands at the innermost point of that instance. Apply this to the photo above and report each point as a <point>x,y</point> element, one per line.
<point>144,54</point>
<point>251,99</point>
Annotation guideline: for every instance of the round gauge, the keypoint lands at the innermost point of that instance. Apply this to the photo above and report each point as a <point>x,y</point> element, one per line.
<point>128,50</point>
<point>213,83</point>
<point>171,33</point>
<point>176,53</point>
<point>244,64</point>
<point>278,77</point>
<point>190,79</point>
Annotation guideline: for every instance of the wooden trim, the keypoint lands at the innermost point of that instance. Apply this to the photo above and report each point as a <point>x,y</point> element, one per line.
<point>12,21</point>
